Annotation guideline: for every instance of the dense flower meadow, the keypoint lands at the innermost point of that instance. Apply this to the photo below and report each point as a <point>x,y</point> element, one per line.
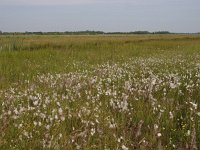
<point>140,103</point>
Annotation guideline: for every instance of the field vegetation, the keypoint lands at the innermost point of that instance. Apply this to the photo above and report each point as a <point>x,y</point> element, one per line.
<point>100,92</point>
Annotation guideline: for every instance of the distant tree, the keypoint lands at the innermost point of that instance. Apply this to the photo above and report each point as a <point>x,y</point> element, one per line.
<point>162,32</point>
<point>1,32</point>
<point>26,32</point>
<point>141,32</point>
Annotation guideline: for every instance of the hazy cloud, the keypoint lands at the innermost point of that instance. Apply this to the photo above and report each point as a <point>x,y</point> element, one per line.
<point>69,2</point>
<point>56,2</point>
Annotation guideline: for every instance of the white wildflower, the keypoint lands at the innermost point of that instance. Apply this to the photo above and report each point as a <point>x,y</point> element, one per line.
<point>62,118</point>
<point>194,105</point>
<point>153,82</point>
<point>60,111</point>
<point>159,134</point>
<point>60,135</point>
<point>155,126</point>
<point>171,115</point>
<point>58,103</point>
<point>35,123</point>
<point>172,85</point>
<point>39,123</point>
<point>20,125</point>
<point>124,147</point>
<point>9,112</point>
<point>188,132</point>
<point>25,133</point>
<point>16,111</point>
<point>92,131</point>
<point>35,103</point>
<point>48,127</point>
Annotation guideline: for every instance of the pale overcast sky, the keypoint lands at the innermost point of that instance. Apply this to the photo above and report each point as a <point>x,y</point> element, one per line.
<point>101,15</point>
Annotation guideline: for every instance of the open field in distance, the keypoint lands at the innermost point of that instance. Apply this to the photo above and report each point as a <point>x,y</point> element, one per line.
<point>100,92</point>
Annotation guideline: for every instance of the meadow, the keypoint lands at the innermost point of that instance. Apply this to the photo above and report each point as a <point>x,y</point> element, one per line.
<point>100,92</point>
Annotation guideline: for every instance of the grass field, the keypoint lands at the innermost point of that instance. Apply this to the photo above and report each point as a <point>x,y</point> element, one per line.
<point>100,92</point>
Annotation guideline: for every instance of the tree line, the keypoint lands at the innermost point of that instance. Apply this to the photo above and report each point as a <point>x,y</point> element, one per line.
<point>87,32</point>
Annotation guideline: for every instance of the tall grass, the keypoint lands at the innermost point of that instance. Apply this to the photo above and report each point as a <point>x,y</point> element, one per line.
<point>100,92</point>
<point>39,54</point>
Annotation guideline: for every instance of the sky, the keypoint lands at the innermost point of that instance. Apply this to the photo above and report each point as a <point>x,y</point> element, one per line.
<point>100,15</point>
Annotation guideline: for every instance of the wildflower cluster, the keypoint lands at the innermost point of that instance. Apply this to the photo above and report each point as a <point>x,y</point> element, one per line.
<point>140,103</point>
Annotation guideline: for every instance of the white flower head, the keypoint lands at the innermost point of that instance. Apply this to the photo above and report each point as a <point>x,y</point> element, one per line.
<point>171,115</point>
<point>188,132</point>
<point>124,147</point>
<point>159,134</point>
<point>60,111</point>
<point>35,103</point>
